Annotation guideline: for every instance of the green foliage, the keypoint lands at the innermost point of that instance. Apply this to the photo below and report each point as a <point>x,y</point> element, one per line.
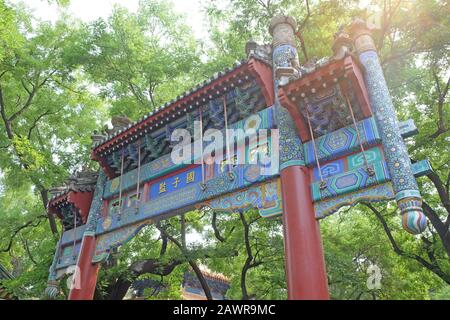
<point>140,61</point>
<point>10,38</point>
<point>353,242</point>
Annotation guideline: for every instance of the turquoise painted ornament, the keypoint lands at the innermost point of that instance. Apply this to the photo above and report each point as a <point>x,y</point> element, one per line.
<point>413,218</point>
<point>414,222</point>
<point>51,291</point>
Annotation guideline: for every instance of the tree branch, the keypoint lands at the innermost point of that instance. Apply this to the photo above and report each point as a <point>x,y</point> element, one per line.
<point>441,189</point>
<point>19,229</point>
<point>441,228</point>
<point>7,123</point>
<point>191,262</point>
<point>442,93</point>
<point>214,226</point>
<point>298,33</point>
<point>27,249</point>
<point>250,262</point>
<point>435,269</point>
<point>35,122</point>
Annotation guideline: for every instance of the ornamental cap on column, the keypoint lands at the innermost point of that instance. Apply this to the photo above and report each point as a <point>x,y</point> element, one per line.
<point>342,44</point>
<point>361,32</point>
<point>250,47</point>
<point>282,29</point>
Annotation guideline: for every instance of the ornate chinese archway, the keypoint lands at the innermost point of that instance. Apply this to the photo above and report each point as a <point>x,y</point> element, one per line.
<point>338,142</point>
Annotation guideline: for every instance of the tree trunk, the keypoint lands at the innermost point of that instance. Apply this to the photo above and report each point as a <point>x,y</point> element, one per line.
<point>51,218</point>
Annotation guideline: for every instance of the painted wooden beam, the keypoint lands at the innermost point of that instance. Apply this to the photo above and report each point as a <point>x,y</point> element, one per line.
<point>408,128</point>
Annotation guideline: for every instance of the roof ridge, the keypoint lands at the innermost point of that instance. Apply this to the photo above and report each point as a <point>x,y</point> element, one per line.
<point>192,90</point>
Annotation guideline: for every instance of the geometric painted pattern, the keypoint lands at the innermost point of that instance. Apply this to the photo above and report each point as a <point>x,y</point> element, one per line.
<point>164,165</point>
<point>397,158</point>
<point>375,193</point>
<point>350,181</point>
<point>342,142</point>
<point>348,163</point>
<point>328,169</point>
<point>120,237</point>
<point>266,197</point>
<point>394,148</point>
<point>290,145</point>
<point>220,192</point>
<point>184,199</point>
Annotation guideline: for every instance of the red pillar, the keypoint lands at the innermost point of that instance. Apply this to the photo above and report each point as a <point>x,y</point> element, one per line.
<point>86,272</point>
<point>305,266</point>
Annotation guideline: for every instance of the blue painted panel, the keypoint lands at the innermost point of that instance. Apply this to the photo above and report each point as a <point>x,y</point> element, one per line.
<point>68,257</point>
<point>358,160</point>
<point>330,169</point>
<point>351,162</point>
<point>184,198</point>
<point>421,168</point>
<point>408,128</point>
<point>164,165</point>
<point>350,181</point>
<point>176,182</point>
<point>67,236</point>
<point>342,142</point>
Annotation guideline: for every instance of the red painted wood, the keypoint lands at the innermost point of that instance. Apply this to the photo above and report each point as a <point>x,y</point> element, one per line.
<point>315,79</point>
<point>146,192</point>
<point>305,266</point>
<point>356,77</point>
<point>181,103</point>
<point>82,201</point>
<point>86,271</point>
<point>295,114</point>
<point>347,67</point>
<point>102,161</point>
<point>263,74</point>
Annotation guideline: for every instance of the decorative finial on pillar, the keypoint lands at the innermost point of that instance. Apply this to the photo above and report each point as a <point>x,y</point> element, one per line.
<point>342,45</point>
<point>250,47</point>
<point>51,291</point>
<point>282,29</point>
<point>285,56</point>
<point>361,33</point>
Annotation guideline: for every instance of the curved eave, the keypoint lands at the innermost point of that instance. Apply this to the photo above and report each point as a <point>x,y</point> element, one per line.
<point>59,199</point>
<point>322,77</point>
<point>70,196</point>
<point>189,101</point>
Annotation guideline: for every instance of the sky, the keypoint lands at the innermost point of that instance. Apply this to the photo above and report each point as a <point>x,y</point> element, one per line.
<point>89,10</point>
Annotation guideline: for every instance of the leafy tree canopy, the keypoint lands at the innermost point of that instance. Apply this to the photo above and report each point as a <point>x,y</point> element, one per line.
<point>61,81</point>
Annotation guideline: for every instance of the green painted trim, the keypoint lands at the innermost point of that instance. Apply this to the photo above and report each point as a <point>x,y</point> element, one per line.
<point>100,258</point>
<point>408,128</point>
<point>332,190</point>
<point>421,168</point>
<point>273,211</point>
<point>407,194</point>
<point>292,163</point>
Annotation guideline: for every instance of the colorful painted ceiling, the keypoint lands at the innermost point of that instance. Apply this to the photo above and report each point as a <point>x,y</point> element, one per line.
<point>245,89</point>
